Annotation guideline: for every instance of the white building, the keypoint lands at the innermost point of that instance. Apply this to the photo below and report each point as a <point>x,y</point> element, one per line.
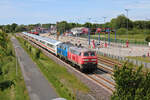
<point>53,29</point>
<point>77,30</point>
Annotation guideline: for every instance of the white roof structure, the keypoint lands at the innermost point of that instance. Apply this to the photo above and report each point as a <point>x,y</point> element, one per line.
<point>59,99</point>
<point>45,39</point>
<point>77,30</point>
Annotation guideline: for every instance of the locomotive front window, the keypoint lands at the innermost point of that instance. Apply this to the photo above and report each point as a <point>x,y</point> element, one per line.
<point>86,53</point>
<point>89,54</point>
<point>92,53</point>
<point>79,54</point>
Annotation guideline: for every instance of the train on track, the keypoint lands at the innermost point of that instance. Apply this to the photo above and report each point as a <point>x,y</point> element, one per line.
<point>85,59</point>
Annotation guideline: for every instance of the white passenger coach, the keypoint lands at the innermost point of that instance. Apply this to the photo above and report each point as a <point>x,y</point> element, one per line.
<point>47,43</point>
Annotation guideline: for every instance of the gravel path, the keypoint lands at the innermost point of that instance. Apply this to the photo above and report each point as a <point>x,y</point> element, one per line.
<point>38,87</point>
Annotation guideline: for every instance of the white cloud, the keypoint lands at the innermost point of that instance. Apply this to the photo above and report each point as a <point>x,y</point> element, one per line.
<point>142,4</point>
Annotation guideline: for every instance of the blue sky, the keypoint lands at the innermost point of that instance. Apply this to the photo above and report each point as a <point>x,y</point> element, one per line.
<point>50,11</point>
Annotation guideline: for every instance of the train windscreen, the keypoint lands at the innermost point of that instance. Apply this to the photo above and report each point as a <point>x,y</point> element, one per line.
<point>89,53</point>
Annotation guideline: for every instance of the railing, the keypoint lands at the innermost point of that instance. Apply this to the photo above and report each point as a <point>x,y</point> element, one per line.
<point>135,42</point>
<point>134,61</point>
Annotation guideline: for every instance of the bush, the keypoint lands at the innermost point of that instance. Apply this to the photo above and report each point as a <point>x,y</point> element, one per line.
<point>25,43</point>
<point>147,39</point>
<point>146,31</point>
<point>122,31</point>
<point>38,52</point>
<point>131,84</point>
<point>135,31</point>
<point>30,48</point>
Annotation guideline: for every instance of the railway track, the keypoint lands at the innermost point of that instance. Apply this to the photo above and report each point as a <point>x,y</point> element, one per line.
<point>101,79</point>
<point>109,62</point>
<point>104,79</point>
<point>107,69</point>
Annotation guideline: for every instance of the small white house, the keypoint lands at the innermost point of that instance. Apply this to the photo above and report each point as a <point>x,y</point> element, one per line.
<point>53,29</point>
<point>77,30</point>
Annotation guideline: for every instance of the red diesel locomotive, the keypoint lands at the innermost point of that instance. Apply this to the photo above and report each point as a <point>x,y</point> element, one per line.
<point>84,58</point>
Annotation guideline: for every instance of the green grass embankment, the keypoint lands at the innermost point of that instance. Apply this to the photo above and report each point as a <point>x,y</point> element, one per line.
<point>139,58</point>
<point>12,87</point>
<point>133,39</point>
<point>65,83</point>
<point>138,37</point>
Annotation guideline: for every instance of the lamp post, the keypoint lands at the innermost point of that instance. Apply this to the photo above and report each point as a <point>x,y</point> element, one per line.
<point>147,19</point>
<point>89,31</point>
<point>127,10</point>
<point>77,30</point>
<point>104,28</point>
<point>98,30</point>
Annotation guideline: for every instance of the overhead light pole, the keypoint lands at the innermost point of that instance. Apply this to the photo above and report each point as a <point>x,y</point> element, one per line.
<point>104,28</point>
<point>146,19</point>
<point>89,31</point>
<point>127,10</point>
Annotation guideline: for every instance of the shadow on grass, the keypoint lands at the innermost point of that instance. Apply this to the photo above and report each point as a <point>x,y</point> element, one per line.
<point>6,84</point>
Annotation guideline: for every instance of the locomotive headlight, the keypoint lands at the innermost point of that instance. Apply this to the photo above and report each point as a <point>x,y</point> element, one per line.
<point>85,62</point>
<point>94,62</point>
<point>93,59</point>
<point>85,59</point>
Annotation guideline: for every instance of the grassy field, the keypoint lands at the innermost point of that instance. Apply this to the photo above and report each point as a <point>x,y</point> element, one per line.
<point>12,87</point>
<point>64,82</point>
<point>144,59</point>
<point>138,37</point>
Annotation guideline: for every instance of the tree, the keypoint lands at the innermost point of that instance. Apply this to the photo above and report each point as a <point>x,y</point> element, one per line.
<point>13,27</point>
<point>122,31</point>
<point>147,39</point>
<point>88,25</point>
<point>121,22</point>
<point>3,47</point>
<point>20,28</point>
<point>3,40</point>
<point>62,26</point>
<point>38,52</point>
<point>131,83</point>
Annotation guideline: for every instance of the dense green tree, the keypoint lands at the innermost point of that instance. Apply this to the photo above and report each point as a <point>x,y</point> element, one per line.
<point>3,45</point>
<point>88,25</point>
<point>63,26</point>
<point>122,31</point>
<point>3,40</point>
<point>131,83</point>
<point>13,27</point>
<point>20,28</point>
<point>47,25</point>
<point>147,39</point>
<point>139,24</point>
<point>38,52</point>
<point>121,22</point>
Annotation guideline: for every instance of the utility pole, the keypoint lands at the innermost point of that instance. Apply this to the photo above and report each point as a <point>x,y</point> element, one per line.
<point>127,10</point>
<point>104,28</point>
<point>146,19</point>
<point>98,32</point>
<point>89,31</point>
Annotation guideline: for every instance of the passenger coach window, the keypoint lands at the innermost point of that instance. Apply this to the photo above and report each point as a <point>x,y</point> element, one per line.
<point>50,45</point>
